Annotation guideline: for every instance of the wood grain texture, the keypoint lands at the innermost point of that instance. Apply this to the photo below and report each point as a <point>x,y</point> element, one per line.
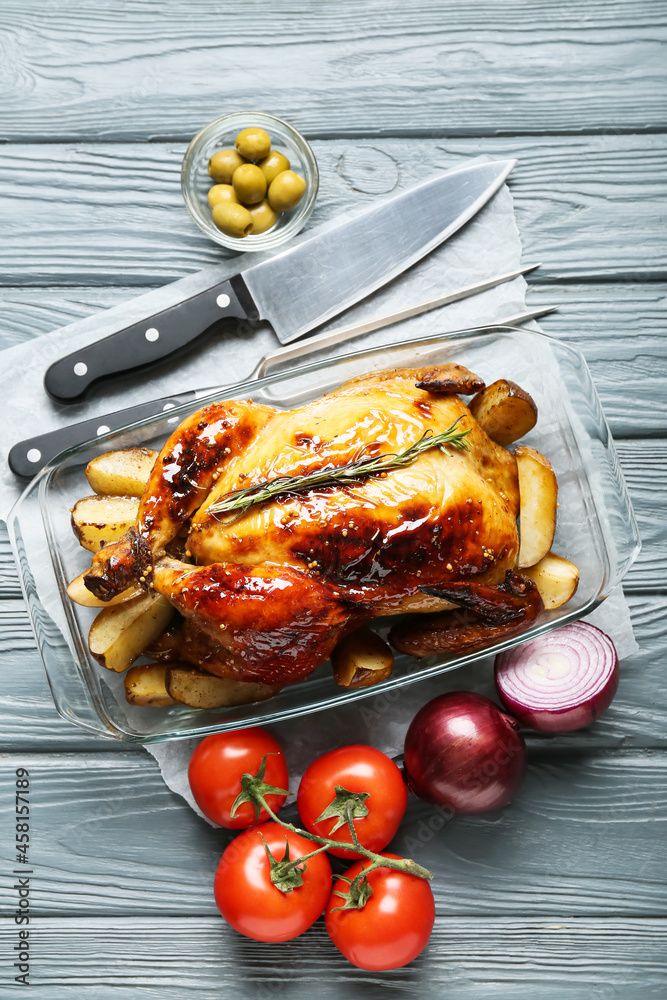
<point>113,214</point>
<point>9,578</point>
<point>560,897</point>
<point>618,326</point>
<point>109,837</point>
<point>489,958</point>
<point>637,718</point>
<point>644,463</point>
<point>15,631</point>
<point>117,71</point>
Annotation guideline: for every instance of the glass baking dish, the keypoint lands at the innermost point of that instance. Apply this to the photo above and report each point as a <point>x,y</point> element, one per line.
<point>596,526</point>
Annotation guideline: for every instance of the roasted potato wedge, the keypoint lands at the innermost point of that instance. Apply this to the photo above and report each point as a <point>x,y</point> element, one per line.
<point>121,473</point>
<point>504,411</point>
<point>145,685</point>
<point>98,520</point>
<point>555,578</point>
<point>119,635</point>
<point>199,690</point>
<point>538,491</point>
<point>79,593</point>
<point>361,659</point>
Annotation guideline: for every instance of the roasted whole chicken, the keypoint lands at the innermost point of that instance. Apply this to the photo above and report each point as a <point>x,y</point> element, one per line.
<point>268,592</point>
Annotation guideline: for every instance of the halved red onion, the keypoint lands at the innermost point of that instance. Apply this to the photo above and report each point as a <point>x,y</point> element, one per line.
<point>464,753</point>
<point>560,681</point>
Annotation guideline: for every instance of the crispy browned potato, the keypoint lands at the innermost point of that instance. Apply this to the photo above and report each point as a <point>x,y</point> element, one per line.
<point>538,491</point>
<point>200,690</point>
<point>145,685</point>
<point>504,411</point>
<point>98,520</point>
<point>119,635</point>
<point>361,659</point>
<point>79,593</point>
<point>121,473</point>
<point>555,578</point>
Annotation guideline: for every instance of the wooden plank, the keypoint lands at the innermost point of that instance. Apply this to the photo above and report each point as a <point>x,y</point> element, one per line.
<point>620,330</point>
<point>644,463</point>
<point>592,826</point>
<point>120,71</point>
<point>9,578</point>
<point>490,958</point>
<point>113,213</point>
<point>127,845</point>
<point>26,705</point>
<point>637,718</point>
<point>591,315</point>
<point>15,631</point>
<point>30,312</point>
<point>619,327</point>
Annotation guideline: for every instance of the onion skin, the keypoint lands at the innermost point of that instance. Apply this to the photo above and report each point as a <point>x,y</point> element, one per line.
<point>524,686</point>
<point>465,754</point>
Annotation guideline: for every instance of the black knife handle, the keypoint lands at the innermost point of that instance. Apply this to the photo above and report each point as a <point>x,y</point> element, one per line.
<point>153,338</point>
<point>27,457</point>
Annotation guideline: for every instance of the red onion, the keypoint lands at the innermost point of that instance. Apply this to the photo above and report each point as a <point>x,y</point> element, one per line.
<point>561,681</point>
<point>464,753</point>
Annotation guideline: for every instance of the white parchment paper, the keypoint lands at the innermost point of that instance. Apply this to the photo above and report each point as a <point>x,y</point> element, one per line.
<point>488,245</point>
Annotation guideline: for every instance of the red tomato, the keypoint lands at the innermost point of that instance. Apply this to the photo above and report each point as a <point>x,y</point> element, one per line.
<point>357,768</point>
<point>392,928</point>
<point>251,903</point>
<point>217,766</point>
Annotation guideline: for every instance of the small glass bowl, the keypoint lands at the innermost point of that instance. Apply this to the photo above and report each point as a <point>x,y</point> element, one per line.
<point>220,134</point>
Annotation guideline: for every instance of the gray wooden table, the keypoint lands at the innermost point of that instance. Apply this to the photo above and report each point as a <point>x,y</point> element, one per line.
<point>563,895</point>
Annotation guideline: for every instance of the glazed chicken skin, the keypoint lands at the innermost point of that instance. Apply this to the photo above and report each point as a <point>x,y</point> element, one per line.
<point>185,470</point>
<point>274,588</point>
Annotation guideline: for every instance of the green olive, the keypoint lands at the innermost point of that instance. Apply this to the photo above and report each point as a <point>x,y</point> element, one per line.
<point>222,165</point>
<point>249,184</point>
<point>286,191</point>
<point>263,217</point>
<point>273,164</point>
<point>221,192</point>
<point>232,218</point>
<point>253,143</point>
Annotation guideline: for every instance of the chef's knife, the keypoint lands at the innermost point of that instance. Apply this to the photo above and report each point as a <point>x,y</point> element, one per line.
<point>27,457</point>
<point>303,286</point>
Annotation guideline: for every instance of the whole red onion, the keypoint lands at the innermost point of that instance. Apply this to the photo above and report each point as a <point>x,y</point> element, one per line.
<point>463,753</point>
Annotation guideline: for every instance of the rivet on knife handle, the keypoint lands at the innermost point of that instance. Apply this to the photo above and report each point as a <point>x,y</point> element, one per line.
<point>147,341</point>
<point>27,457</point>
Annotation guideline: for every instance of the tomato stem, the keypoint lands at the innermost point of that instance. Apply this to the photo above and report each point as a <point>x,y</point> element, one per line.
<point>306,857</point>
<point>252,788</point>
<point>349,815</point>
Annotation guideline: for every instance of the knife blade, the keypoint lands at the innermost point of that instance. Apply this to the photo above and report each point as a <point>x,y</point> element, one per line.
<point>27,457</point>
<point>300,288</point>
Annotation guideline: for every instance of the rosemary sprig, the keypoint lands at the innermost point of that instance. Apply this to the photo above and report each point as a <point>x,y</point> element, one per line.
<point>238,501</point>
